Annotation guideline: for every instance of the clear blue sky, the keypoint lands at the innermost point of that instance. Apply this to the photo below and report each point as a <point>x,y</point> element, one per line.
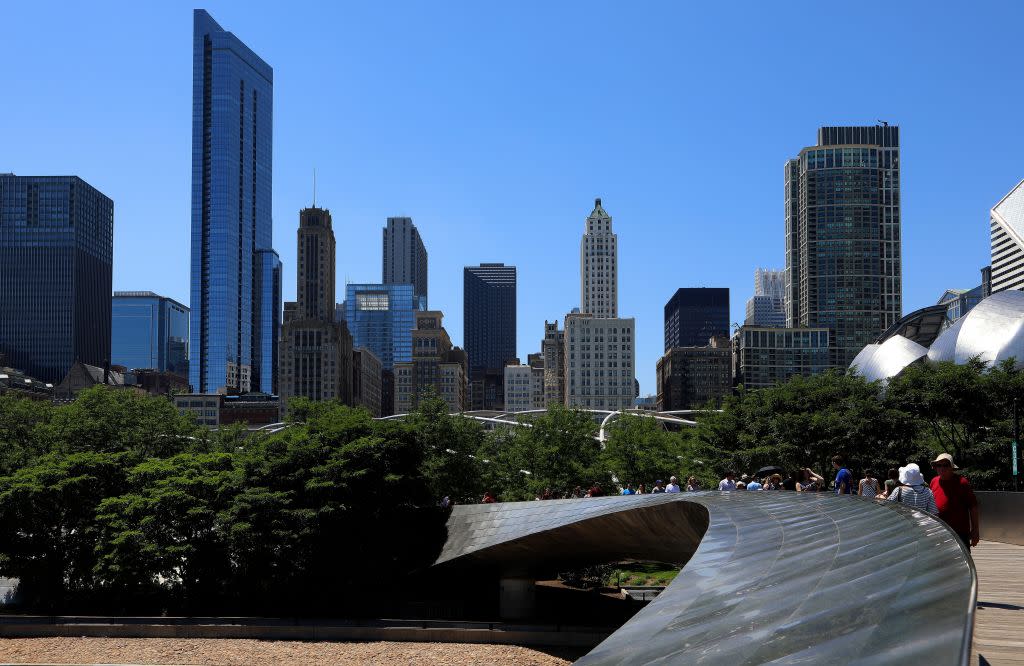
<point>494,127</point>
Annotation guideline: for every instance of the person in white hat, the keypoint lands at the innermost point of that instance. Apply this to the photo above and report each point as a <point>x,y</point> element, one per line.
<point>913,492</point>
<point>954,497</point>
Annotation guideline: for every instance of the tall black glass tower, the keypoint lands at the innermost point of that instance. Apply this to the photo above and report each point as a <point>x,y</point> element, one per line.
<point>696,314</point>
<point>843,264</point>
<point>489,315</point>
<point>56,246</point>
<point>232,117</point>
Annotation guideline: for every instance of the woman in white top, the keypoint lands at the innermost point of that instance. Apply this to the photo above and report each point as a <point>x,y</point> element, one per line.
<point>868,485</point>
<point>913,492</point>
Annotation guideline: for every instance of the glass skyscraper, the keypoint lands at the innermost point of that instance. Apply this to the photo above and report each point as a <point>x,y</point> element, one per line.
<point>380,317</point>
<point>232,116</point>
<point>489,315</point>
<point>56,245</point>
<point>268,289</point>
<point>696,314</point>
<point>149,331</point>
<point>843,268</point>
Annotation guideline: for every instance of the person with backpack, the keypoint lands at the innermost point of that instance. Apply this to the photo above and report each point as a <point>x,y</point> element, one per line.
<point>955,499</point>
<point>913,492</point>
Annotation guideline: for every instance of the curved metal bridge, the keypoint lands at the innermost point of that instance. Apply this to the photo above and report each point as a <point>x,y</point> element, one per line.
<point>769,577</point>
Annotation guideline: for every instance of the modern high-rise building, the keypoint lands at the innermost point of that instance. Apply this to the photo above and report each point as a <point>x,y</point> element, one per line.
<point>405,258</point>
<point>552,348</point>
<point>767,307</point>
<point>232,144</point>
<point>489,314</point>
<point>367,377</point>
<point>56,249</point>
<point>316,351</point>
<point>489,330</point>
<point>691,377</point>
<point>381,318</point>
<point>1007,241</point>
<point>436,367</point>
<point>267,333</point>
<point>843,263</point>
<point>600,360</point>
<point>694,315</point>
<point>764,356</point>
<point>599,266</point>
<point>149,331</point>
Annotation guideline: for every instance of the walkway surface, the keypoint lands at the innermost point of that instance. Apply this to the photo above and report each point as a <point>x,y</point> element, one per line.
<point>999,622</point>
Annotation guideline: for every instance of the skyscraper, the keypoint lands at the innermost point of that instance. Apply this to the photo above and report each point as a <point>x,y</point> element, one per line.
<point>381,318</point>
<point>316,351</point>
<point>694,315</point>
<point>489,315</point>
<point>599,267</point>
<point>436,367</point>
<point>552,347</point>
<point>767,307</point>
<point>149,331</point>
<point>232,115</point>
<point>405,257</point>
<point>1007,241</point>
<point>843,265</point>
<point>56,247</point>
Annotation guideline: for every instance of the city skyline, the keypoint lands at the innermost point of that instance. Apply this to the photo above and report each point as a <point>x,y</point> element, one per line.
<point>465,195</point>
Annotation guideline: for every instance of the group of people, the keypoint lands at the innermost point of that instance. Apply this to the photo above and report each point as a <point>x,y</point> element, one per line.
<point>948,496</point>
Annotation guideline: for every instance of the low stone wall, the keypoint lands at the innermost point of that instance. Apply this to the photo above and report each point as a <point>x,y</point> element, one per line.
<point>1002,516</point>
<point>27,626</point>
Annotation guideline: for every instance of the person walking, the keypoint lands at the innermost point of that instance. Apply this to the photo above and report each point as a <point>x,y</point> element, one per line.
<point>489,498</point>
<point>628,490</point>
<point>658,487</point>
<point>844,479</point>
<point>673,485</point>
<point>641,489</point>
<point>692,484</point>
<point>729,482</point>
<point>913,491</point>
<point>955,499</point>
<point>868,486</point>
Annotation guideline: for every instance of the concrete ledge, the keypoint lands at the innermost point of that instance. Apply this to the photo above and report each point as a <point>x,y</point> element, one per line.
<point>282,629</point>
<point>1000,514</point>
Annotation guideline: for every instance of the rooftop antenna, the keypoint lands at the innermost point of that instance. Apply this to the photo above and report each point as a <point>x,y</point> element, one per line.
<point>314,187</point>
<point>883,123</point>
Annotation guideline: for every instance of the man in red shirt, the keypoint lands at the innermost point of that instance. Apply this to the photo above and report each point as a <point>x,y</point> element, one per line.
<point>956,501</point>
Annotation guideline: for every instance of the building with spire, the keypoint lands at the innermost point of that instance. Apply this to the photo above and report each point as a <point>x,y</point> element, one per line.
<point>599,266</point>
<point>316,350</point>
<point>599,347</point>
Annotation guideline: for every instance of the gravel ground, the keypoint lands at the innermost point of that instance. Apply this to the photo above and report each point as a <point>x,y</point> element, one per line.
<point>227,651</point>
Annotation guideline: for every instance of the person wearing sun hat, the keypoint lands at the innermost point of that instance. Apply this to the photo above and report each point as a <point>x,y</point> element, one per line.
<point>912,490</point>
<point>954,497</point>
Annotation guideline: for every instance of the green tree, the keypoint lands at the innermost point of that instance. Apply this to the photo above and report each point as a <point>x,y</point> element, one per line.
<point>20,440</point>
<point>639,450</point>
<point>450,447</point>
<point>48,530</point>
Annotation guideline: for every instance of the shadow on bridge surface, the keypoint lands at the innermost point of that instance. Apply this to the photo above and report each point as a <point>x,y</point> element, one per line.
<point>999,623</point>
<point>768,577</point>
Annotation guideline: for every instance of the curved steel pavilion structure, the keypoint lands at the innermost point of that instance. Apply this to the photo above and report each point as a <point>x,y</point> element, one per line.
<point>767,577</point>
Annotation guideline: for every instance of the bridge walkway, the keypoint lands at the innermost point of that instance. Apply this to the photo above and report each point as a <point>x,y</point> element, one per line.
<point>999,620</point>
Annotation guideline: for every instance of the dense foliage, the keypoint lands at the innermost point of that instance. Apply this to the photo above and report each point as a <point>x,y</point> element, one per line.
<point>117,503</point>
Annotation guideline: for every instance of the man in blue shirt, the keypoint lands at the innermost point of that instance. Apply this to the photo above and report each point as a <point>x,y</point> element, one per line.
<point>844,479</point>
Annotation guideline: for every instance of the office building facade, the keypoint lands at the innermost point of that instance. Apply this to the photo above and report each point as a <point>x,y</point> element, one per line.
<point>694,315</point>
<point>524,388</point>
<point>149,331</point>
<point>316,351</point>
<point>599,265</point>
<point>367,377</point>
<point>767,307</point>
<point>489,330</point>
<point>694,377</point>
<point>600,360</point>
<point>436,367</point>
<point>1006,230</point>
<point>405,258</point>
<point>553,351</point>
<point>381,318</point>
<point>56,250</point>
<point>843,238</point>
<point>232,143</point>
<point>765,356</point>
